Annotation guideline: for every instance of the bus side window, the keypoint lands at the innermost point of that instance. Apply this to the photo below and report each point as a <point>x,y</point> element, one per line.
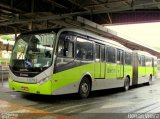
<point>143,60</point>
<point>97,52</point>
<point>139,60</point>
<point>128,58</point>
<point>65,51</point>
<point>84,49</point>
<point>106,53</point>
<point>155,62</point>
<point>66,48</point>
<point>119,56</point>
<point>102,53</point>
<point>148,61</point>
<point>111,54</point>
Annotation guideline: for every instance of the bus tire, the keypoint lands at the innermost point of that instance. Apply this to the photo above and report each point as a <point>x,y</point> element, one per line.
<point>84,88</point>
<point>126,84</point>
<point>150,80</point>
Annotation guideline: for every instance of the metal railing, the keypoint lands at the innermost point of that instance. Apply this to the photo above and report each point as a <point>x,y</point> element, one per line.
<point>3,69</point>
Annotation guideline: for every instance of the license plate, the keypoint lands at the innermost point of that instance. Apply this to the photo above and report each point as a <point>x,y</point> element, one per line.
<point>25,88</point>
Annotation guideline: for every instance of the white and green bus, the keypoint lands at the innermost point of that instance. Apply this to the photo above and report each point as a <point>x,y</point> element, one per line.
<point>144,67</point>
<point>69,60</point>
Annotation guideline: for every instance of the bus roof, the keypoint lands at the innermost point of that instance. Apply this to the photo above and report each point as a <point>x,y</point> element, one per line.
<point>98,38</point>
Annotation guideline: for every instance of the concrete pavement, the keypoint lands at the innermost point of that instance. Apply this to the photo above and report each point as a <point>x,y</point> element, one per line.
<point>140,102</point>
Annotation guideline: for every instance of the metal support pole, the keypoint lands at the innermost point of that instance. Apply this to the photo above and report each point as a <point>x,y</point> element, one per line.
<point>109,17</point>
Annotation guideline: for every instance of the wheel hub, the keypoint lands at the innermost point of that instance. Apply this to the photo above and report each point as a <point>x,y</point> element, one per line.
<point>84,87</point>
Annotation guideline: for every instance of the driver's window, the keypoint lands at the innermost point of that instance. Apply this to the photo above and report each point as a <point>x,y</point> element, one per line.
<point>40,50</point>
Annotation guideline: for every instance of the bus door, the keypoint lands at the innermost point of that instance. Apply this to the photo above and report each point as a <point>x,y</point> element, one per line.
<point>120,67</point>
<point>99,61</point>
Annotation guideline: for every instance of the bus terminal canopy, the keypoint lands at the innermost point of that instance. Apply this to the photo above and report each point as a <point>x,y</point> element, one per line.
<point>22,16</point>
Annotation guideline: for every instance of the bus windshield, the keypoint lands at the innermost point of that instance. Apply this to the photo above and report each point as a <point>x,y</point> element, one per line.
<point>33,51</point>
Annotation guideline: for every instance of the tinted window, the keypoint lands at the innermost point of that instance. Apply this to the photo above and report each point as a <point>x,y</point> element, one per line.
<point>142,61</point>
<point>102,53</point>
<point>155,62</point>
<point>128,58</point>
<point>84,49</point>
<point>148,61</point>
<point>111,54</point>
<point>139,60</point>
<point>97,51</point>
<point>66,46</point>
<point>65,52</point>
<point>119,56</point>
<point>106,51</point>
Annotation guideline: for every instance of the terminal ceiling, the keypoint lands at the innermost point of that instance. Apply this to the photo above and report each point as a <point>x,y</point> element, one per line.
<point>17,16</point>
<point>24,15</point>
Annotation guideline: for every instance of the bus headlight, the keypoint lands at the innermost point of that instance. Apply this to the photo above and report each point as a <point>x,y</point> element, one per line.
<point>43,80</point>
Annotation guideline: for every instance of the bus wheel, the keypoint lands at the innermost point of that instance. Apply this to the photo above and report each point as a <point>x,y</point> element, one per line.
<point>126,84</point>
<point>84,88</point>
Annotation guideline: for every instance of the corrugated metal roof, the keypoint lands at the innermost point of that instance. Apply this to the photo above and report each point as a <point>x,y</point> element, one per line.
<point>24,15</point>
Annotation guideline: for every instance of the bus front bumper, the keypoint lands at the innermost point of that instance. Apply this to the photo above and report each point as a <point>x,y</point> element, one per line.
<point>31,88</point>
